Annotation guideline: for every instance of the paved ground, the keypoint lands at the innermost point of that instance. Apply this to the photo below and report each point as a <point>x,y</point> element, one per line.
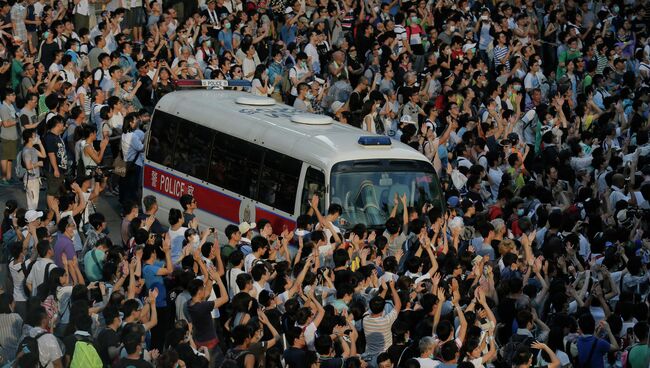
<point>107,205</point>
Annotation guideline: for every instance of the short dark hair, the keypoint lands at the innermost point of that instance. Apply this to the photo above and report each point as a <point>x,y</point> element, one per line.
<point>377,305</point>
<point>186,201</point>
<point>587,323</point>
<point>230,230</point>
<point>175,215</point>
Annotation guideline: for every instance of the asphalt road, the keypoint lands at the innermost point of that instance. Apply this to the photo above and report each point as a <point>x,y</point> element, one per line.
<point>107,205</point>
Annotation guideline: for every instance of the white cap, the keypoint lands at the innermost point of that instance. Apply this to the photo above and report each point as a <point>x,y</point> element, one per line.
<point>31,215</point>
<point>245,227</point>
<point>336,106</point>
<point>468,46</point>
<point>406,119</point>
<point>288,10</point>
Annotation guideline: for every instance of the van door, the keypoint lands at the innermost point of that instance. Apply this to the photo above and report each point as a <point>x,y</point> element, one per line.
<point>313,182</point>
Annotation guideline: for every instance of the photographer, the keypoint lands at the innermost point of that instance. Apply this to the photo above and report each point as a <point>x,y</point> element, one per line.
<point>32,151</point>
<point>87,157</point>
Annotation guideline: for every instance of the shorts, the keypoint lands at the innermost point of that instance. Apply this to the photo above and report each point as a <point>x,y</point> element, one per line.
<point>55,186</point>
<point>8,149</point>
<point>137,17</point>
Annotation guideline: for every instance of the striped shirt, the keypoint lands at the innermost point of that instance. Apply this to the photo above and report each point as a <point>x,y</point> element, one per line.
<point>601,61</point>
<point>500,53</point>
<point>378,332</point>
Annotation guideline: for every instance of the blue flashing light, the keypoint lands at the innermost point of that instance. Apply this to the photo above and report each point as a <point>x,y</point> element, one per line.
<point>374,141</point>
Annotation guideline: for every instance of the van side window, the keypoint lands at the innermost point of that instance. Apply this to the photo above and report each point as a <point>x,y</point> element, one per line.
<point>162,138</point>
<point>193,149</point>
<point>279,181</point>
<point>314,184</point>
<point>235,164</point>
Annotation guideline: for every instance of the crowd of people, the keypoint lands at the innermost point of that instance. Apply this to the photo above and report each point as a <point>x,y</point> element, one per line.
<point>534,115</point>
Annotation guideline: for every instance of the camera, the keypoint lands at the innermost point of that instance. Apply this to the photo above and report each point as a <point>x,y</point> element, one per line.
<point>102,172</point>
<point>211,229</point>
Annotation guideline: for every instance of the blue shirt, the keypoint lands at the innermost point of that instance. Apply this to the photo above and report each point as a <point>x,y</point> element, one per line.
<point>288,33</point>
<point>152,280</point>
<point>225,36</point>
<point>585,344</point>
<point>274,70</point>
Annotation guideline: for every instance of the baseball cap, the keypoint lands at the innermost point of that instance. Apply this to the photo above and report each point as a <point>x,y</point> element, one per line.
<point>336,106</point>
<point>31,215</point>
<point>245,227</point>
<point>469,46</point>
<point>406,119</point>
<point>453,202</point>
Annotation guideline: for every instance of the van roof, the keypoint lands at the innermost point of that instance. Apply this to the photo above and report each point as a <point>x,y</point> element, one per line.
<point>320,141</point>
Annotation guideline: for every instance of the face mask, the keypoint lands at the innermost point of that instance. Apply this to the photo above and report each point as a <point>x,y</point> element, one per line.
<point>227,25</point>
<point>615,9</point>
<point>520,212</point>
<point>208,44</point>
<point>467,8</point>
<point>517,87</point>
<point>484,17</point>
<point>452,29</point>
<point>303,64</point>
<point>551,121</point>
<point>414,19</point>
<point>75,48</point>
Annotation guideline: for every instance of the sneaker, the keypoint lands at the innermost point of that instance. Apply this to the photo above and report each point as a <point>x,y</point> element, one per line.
<point>4,183</point>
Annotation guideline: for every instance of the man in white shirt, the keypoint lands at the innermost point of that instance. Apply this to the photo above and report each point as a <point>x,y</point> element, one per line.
<point>259,246</point>
<point>176,234</point>
<point>312,53</point>
<point>43,265</point>
<point>49,350</point>
<point>618,187</point>
<point>237,261</point>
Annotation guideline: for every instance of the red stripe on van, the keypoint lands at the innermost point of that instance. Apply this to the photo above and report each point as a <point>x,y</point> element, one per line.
<point>209,200</point>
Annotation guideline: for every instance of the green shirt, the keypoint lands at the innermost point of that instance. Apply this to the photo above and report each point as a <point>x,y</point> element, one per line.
<point>226,251</point>
<point>638,356</point>
<point>93,265</point>
<point>16,74</point>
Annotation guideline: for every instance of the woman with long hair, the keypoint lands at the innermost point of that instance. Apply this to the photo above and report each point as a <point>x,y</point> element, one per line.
<point>55,295</point>
<point>132,151</point>
<point>369,112</point>
<point>260,85</point>
<point>89,158</point>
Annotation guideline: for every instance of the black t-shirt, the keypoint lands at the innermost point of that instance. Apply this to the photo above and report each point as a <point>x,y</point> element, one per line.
<point>334,362</point>
<point>145,91</point>
<point>294,357</point>
<point>201,315</point>
<point>106,339</point>
<point>191,359</point>
<point>55,144</point>
<point>132,363</point>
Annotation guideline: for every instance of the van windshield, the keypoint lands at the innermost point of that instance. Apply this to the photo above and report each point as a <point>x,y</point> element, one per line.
<point>366,189</point>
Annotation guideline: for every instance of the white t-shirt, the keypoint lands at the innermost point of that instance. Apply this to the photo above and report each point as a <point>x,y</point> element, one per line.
<point>248,262</point>
<point>49,349</point>
<point>231,279</point>
<point>82,8</point>
<point>177,237</point>
<point>17,276</point>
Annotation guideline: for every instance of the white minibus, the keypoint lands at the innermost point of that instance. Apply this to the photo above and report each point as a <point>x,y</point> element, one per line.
<point>246,158</point>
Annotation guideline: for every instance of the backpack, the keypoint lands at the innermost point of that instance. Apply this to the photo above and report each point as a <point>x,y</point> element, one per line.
<point>21,169</point>
<point>29,347</point>
<point>42,289</point>
<point>509,351</point>
<point>99,83</point>
<point>26,271</point>
<point>85,355</point>
<point>233,356</point>
<point>285,85</point>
